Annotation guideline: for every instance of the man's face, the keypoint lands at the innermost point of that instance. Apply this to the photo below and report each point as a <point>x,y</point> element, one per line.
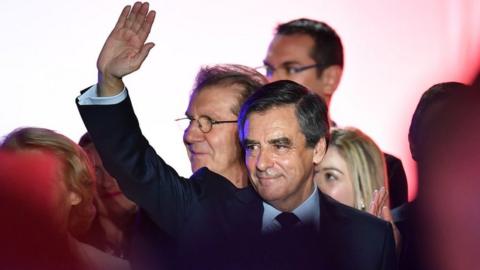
<point>287,51</point>
<point>111,202</point>
<point>280,165</point>
<point>219,149</point>
<point>334,178</point>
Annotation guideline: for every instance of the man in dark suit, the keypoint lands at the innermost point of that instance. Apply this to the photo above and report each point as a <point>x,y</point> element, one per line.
<point>214,219</point>
<point>284,131</point>
<point>310,53</point>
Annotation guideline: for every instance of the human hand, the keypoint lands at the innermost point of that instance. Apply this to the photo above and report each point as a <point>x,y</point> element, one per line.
<point>379,208</point>
<point>125,49</point>
<point>379,200</point>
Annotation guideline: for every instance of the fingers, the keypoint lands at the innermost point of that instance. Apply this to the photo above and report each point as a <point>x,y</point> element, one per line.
<point>379,199</point>
<point>140,17</point>
<point>133,14</point>
<point>146,26</point>
<point>383,194</point>
<point>140,57</point>
<point>123,17</point>
<point>140,20</point>
<point>373,204</point>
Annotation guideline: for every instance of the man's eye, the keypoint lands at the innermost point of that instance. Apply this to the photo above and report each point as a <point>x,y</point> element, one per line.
<point>281,147</point>
<point>269,71</point>
<point>250,147</point>
<point>291,70</point>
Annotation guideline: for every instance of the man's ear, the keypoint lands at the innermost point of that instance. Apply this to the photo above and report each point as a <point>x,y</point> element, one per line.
<point>330,79</point>
<point>74,198</point>
<point>319,151</point>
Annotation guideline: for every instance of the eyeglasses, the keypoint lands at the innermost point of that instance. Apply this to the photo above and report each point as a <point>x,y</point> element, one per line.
<point>288,70</point>
<point>204,123</point>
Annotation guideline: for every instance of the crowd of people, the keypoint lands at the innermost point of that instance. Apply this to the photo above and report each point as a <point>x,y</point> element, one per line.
<point>275,184</point>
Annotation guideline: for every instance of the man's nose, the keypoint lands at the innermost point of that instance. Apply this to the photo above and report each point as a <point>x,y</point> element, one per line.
<point>264,160</point>
<point>192,133</point>
<point>275,76</point>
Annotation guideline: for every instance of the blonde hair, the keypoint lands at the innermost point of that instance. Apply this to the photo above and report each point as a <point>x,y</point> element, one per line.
<point>365,161</point>
<point>77,171</point>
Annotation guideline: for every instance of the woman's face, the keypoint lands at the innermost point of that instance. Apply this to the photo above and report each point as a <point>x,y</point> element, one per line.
<point>333,177</point>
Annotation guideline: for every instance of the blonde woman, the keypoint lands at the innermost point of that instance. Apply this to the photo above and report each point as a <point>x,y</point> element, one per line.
<point>70,190</point>
<point>353,172</point>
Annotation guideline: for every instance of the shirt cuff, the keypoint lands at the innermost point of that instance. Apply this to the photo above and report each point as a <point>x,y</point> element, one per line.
<point>90,97</point>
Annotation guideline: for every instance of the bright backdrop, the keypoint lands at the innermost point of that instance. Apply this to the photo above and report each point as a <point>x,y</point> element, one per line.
<point>394,51</point>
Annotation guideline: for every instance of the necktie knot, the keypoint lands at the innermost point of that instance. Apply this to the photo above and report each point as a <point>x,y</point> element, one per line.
<point>287,220</point>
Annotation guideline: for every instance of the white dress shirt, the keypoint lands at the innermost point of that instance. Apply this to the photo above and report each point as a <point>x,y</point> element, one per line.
<point>90,97</point>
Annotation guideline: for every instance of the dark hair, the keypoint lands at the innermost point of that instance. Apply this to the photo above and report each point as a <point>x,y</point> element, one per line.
<point>310,109</point>
<point>328,48</point>
<point>246,78</point>
<point>85,140</point>
<point>440,95</point>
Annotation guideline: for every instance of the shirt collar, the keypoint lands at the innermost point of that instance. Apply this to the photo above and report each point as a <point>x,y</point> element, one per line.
<point>308,212</point>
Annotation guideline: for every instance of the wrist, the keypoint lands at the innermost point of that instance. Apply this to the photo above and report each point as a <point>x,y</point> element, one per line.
<point>109,85</point>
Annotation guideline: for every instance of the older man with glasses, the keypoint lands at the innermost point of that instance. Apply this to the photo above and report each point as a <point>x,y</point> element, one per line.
<point>188,217</point>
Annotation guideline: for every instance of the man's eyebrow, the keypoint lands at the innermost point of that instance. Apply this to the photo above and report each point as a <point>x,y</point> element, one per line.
<point>281,141</point>
<point>284,64</point>
<point>289,63</point>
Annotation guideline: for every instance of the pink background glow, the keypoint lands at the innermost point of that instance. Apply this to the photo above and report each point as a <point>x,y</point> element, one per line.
<point>394,51</point>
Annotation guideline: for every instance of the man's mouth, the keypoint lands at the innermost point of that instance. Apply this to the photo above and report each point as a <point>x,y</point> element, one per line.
<point>196,152</point>
<point>267,177</point>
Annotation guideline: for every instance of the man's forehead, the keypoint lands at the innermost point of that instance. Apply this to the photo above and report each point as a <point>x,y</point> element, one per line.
<point>216,100</point>
<point>290,48</point>
<point>273,123</point>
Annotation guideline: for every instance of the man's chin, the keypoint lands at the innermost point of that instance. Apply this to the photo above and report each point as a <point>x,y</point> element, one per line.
<point>268,194</point>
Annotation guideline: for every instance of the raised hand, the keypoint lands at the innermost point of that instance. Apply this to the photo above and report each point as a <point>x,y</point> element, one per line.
<point>379,208</point>
<point>379,200</point>
<point>125,49</point>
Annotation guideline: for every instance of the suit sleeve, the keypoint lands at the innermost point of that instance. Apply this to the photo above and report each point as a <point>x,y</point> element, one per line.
<point>143,176</point>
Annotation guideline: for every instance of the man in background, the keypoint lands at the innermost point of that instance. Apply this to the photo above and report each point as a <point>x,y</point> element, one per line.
<point>310,52</point>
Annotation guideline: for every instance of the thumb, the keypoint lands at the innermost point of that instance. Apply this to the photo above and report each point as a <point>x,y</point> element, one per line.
<point>142,55</point>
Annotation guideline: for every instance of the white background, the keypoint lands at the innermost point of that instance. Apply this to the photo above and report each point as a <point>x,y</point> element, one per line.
<point>394,51</point>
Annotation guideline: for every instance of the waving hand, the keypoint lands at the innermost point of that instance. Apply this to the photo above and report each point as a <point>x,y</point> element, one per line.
<point>125,49</point>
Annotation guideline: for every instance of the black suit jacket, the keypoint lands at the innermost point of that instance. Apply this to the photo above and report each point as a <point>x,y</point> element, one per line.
<point>208,223</point>
<point>397,181</point>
